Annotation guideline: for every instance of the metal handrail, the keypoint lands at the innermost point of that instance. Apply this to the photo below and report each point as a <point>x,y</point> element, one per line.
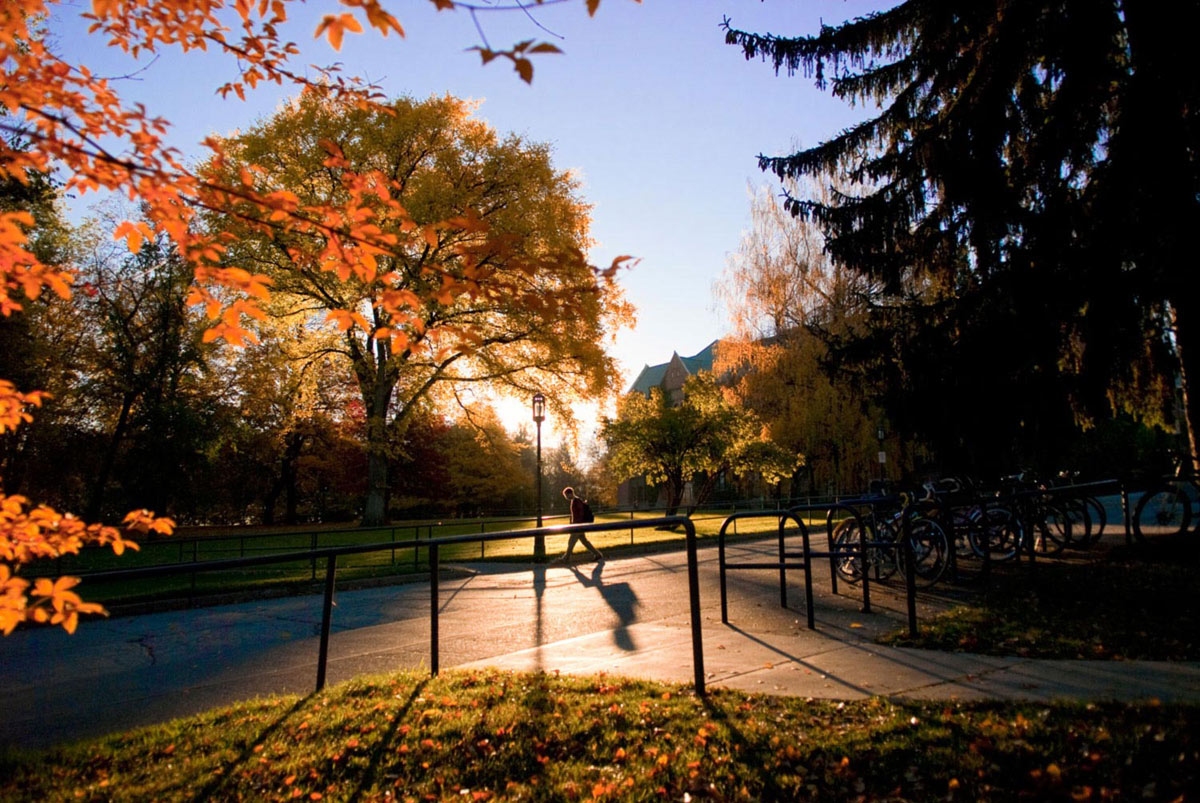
<point>331,554</point>
<point>782,565</point>
<point>795,514</point>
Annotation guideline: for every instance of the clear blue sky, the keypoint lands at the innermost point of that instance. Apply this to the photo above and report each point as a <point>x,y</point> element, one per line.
<point>658,116</point>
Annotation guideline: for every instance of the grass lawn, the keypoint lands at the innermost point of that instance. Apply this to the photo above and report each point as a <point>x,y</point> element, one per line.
<point>1139,602</point>
<point>489,735</point>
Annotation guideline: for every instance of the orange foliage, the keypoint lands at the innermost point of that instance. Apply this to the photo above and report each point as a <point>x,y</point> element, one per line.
<point>75,123</point>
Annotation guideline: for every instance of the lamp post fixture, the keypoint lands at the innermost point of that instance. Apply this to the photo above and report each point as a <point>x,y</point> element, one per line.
<point>879,433</point>
<point>539,415</point>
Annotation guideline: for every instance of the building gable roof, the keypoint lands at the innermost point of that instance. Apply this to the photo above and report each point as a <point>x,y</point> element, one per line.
<point>652,375</point>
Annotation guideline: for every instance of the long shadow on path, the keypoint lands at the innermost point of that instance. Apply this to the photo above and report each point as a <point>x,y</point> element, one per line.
<point>620,597</point>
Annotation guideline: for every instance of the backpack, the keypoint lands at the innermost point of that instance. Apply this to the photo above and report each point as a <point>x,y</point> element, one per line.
<point>586,514</point>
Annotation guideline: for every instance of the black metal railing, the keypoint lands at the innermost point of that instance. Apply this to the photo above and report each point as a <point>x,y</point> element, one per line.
<point>192,549</point>
<point>330,556</point>
<point>852,509</point>
<point>196,548</point>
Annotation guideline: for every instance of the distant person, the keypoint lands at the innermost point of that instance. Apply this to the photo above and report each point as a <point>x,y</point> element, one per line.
<point>579,515</point>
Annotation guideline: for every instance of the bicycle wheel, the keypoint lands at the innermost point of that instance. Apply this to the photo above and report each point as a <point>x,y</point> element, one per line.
<point>930,546</point>
<point>1080,532</point>
<point>1052,531</point>
<point>966,528</point>
<point>1003,531</point>
<point>1164,510</point>
<point>849,563</point>
<point>1099,517</point>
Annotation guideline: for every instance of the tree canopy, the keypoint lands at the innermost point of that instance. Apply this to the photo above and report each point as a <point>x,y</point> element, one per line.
<point>503,296</point>
<point>698,439</point>
<point>1027,190</point>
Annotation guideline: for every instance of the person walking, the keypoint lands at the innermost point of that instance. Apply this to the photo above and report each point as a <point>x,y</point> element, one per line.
<point>578,516</point>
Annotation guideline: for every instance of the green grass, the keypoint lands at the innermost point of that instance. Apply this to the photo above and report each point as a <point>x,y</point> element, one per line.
<point>297,576</point>
<point>490,735</point>
<point>1135,603</point>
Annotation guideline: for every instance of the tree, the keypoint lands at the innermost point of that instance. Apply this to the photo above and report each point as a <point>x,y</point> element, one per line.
<point>483,466</point>
<point>786,298</point>
<point>143,373</point>
<point>698,439</point>
<point>491,299</point>
<point>289,393</point>
<point>76,123</point>
<point>1029,187</point>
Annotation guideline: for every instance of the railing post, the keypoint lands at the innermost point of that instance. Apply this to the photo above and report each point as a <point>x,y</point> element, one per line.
<point>863,555</point>
<point>808,588</point>
<point>833,556</point>
<point>482,543</point>
<point>433,609</point>
<point>393,548</point>
<point>1125,515</point>
<point>1033,541</point>
<point>721,573</point>
<point>694,601</point>
<point>910,579</point>
<point>782,568</point>
<point>947,521</point>
<point>986,537</point>
<point>417,548</point>
<point>313,546</point>
<point>326,617</point>
<point>631,528</point>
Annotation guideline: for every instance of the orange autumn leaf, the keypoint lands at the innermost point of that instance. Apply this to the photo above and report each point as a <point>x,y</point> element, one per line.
<point>335,26</point>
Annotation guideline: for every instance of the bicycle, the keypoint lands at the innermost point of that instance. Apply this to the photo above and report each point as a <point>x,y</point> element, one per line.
<point>1168,505</point>
<point>884,554</point>
<point>1047,525</point>
<point>1095,520</point>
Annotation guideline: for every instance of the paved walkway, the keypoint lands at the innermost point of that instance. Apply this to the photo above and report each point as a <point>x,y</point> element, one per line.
<point>624,617</point>
<point>824,666</point>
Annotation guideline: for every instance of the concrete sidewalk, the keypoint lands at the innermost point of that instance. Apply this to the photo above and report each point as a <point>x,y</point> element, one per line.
<point>816,666</point>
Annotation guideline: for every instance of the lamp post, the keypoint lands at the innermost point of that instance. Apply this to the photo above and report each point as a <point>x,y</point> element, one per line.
<point>539,415</point>
<point>879,433</point>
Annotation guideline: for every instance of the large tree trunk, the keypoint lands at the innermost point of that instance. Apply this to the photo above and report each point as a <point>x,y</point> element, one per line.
<point>706,489</point>
<point>375,505</point>
<point>269,499</point>
<point>287,475</point>
<point>674,494</point>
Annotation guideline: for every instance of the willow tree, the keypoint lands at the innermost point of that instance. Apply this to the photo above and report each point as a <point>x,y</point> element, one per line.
<point>486,279</point>
<point>785,298</point>
<point>1030,185</point>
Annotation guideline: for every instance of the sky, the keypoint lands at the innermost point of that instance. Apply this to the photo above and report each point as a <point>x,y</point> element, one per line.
<point>660,119</point>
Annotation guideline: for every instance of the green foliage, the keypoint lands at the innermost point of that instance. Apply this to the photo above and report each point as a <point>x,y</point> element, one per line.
<point>486,735</point>
<point>703,436</point>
